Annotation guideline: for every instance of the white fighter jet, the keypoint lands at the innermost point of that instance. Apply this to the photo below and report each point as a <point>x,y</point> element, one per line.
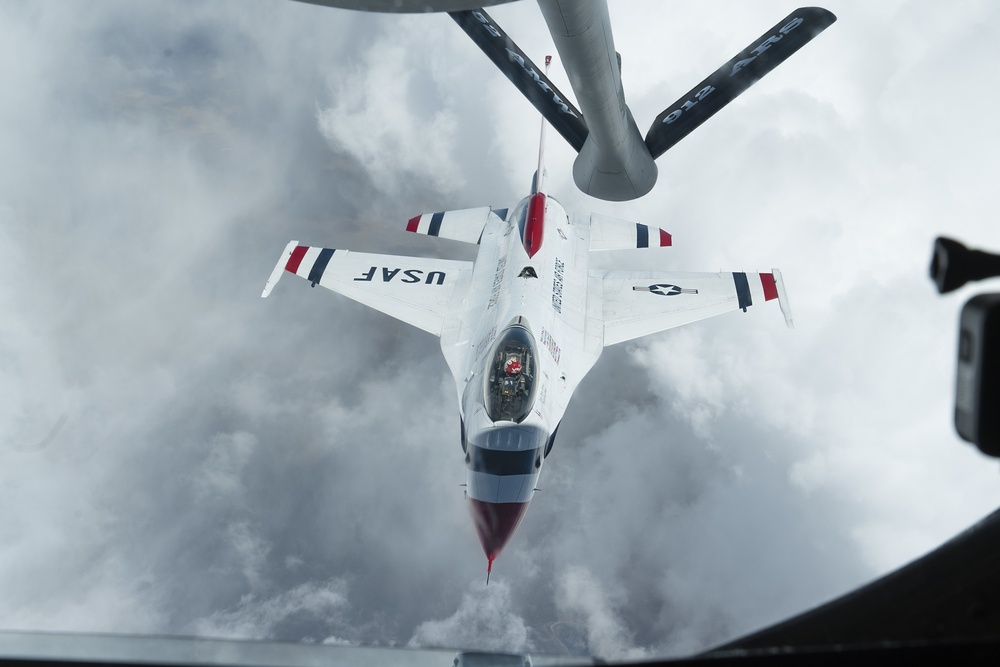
<point>522,325</point>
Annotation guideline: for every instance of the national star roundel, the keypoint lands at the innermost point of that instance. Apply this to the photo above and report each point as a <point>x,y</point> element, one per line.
<point>663,289</point>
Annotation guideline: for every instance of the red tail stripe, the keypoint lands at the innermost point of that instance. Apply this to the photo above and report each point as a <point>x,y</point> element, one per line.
<point>411,226</point>
<point>296,258</point>
<point>535,227</point>
<point>770,289</point>
<point>665,238</point>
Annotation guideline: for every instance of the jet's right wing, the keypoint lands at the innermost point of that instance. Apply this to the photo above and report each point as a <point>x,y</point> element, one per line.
<point>639,303</point>
<point>421,291</point>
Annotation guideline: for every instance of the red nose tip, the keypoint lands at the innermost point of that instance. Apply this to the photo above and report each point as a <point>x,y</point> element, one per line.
<point>495,523</point>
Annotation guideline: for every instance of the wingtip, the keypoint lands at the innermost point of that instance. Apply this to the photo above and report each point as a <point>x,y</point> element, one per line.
<point>786,308</point>
<point>279,269</point>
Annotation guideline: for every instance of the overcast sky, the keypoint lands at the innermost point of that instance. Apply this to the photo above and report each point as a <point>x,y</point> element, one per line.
<point>178,456</point>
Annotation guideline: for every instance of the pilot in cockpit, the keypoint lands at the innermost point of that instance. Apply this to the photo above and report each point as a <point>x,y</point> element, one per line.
<point>512,378</point>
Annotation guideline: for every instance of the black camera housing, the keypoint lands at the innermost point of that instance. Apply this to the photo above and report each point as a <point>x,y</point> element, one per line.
<point>977,386</point>
<point>953,265</point>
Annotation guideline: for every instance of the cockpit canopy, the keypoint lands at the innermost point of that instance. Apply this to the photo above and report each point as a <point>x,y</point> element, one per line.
<point>510,378</point>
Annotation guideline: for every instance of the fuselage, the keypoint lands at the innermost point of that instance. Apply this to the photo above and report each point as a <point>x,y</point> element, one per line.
<point>521,351</point>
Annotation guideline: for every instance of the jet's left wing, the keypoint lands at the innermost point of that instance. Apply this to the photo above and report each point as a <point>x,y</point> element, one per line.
<point>639,303</point>
<point>421,291</point>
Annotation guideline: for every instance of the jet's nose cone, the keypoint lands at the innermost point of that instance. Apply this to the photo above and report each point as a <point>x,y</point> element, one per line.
<point>495,523</point>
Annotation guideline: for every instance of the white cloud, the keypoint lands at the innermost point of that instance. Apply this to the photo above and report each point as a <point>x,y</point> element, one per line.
<point>582,597</point>
<point>258,616</point>
<point>486,620</point>
<point>221,473</point>
<point>251,552</point>
<point>375,117</point>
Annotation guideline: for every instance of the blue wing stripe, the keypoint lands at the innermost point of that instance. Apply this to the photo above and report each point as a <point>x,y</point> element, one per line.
<point>316,272</point>
<point>743,290</point>
<point>641,236</point>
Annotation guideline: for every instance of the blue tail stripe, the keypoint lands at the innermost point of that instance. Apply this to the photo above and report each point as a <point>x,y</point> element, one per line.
<point>435,226</point>
<point>316,272</point>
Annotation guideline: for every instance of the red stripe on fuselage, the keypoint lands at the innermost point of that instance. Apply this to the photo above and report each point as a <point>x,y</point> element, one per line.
<point>296,258</point>
<point>534,226</point>
<point>665,239</point>
<point>770,289</point>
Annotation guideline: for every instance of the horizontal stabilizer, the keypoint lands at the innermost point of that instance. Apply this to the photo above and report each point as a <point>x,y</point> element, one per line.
<point>524,74</point>
<point>704,100</point>
<point>466,225</point>
<point>612,234</point>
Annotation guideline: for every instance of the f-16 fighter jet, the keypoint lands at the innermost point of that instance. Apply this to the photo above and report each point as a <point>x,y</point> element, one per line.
<point>522,325</point>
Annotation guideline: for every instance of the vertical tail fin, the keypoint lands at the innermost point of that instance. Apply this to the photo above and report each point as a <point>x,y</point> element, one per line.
<point>536,182</point>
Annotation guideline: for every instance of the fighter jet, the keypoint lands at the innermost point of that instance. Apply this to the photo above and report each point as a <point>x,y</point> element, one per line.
<point>522,325</point>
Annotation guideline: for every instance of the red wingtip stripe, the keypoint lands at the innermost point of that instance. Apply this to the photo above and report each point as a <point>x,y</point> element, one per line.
<point>411,226</point>
<point>665,238</point>
<point>770,289</point>
<point>293,262</point>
